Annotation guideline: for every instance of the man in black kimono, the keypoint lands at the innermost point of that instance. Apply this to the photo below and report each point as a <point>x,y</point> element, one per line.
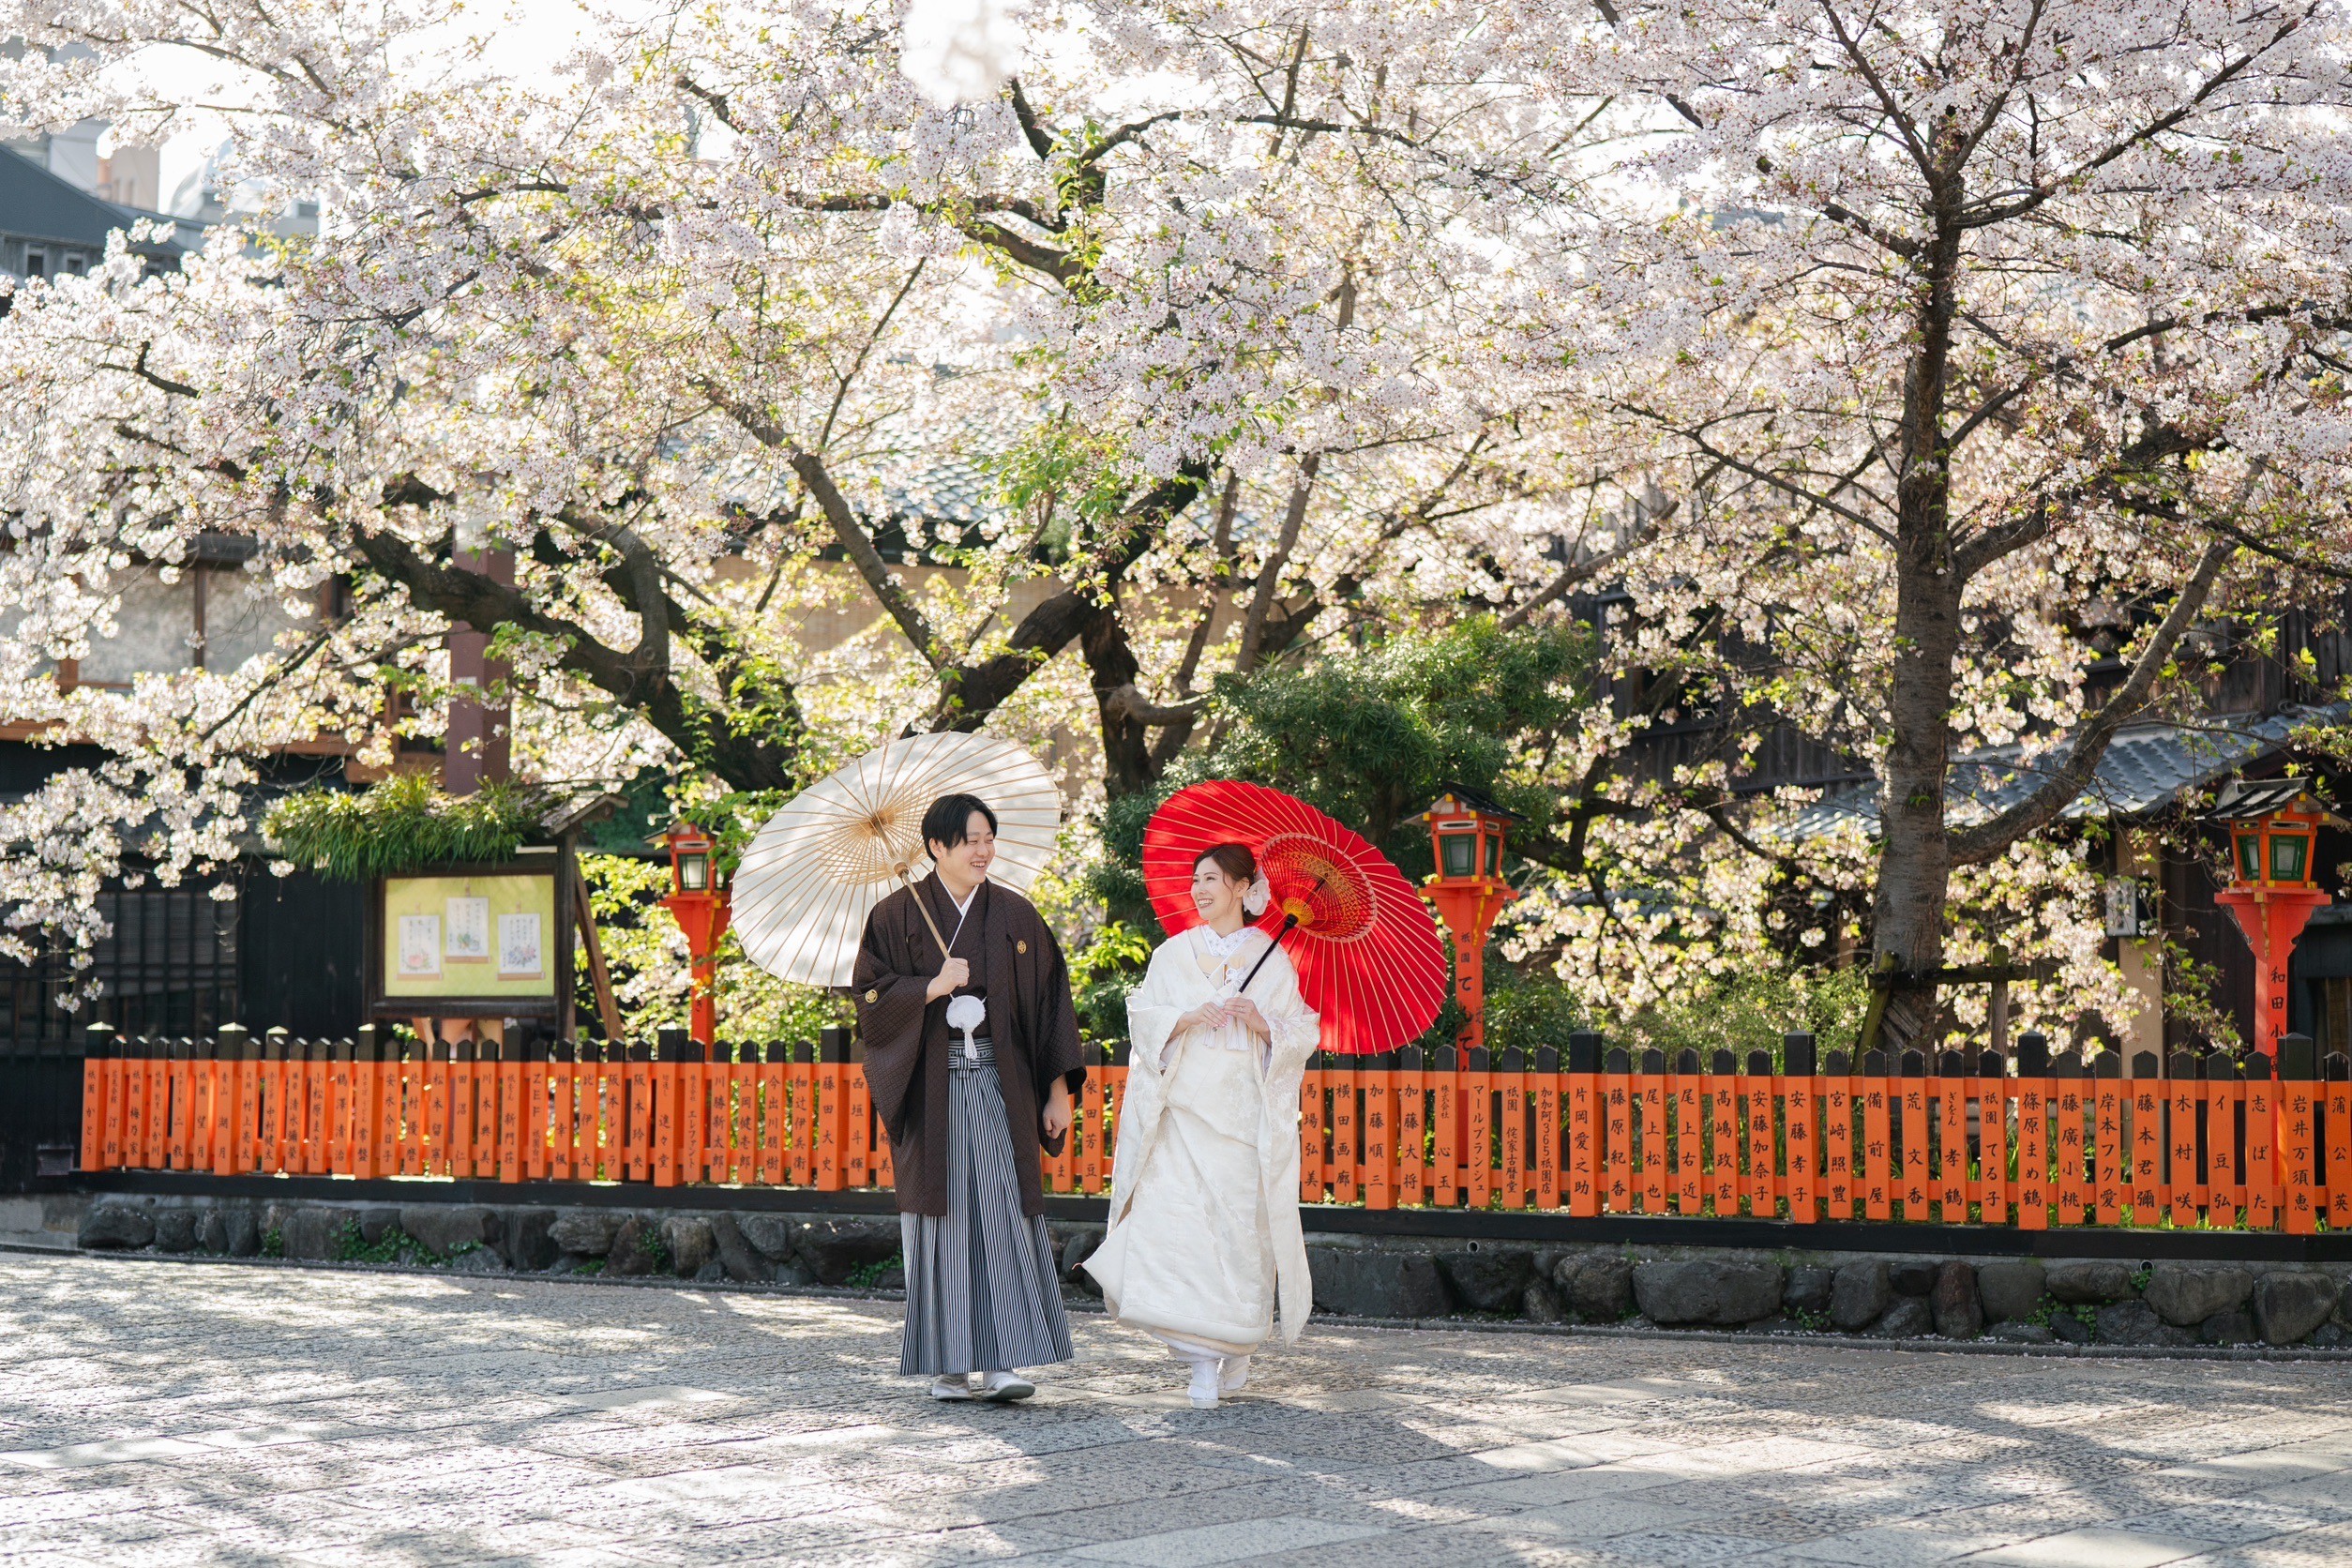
<point>972,1056</point>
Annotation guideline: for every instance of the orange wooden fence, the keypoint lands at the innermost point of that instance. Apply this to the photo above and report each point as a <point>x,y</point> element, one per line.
<point>2044,1141</point>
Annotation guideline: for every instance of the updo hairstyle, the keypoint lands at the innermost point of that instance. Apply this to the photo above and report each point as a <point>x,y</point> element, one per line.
<point>1239,865</point>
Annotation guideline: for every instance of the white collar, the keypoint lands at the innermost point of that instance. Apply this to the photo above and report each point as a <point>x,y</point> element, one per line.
<point>964,903</point>
<point>1223,947</point>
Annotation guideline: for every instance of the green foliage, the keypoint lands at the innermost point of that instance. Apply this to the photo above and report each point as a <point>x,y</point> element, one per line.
<point>402,825</point>
<point>1372,734</point>
<point>274,1243</point>
<point>1102,974</point>
<point>647,958</point>
<point>649,1243</point>
<point>396,1245</point>
<point>866,1275</point>
<point>1750,1012</point>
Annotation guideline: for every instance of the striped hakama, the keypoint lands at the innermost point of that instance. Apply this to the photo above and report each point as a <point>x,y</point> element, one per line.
<point>981,1294</point>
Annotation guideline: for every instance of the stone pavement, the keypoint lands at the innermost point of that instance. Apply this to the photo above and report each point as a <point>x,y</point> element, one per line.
<point>180,1414</point>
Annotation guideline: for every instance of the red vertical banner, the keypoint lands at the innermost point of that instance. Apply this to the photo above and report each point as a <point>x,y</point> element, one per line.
<point>179,1098</point>
<point>1686,1104</point>
<point>512,1114</point>
<point>1876,1174</point>
<point>744,1112</point>
<point>1911,1090</point>
<point>1312,1131</point>
<point>95,1046</point>
<point>2184,1116</point>
<point>1346,1170</point>
<point>2032,1088</point>
<point>857,1119</point>
<point>135,1104</point>
<point>441,1079</point>
<point>536,1109</point>
<point>2113,1179</point>
<point>339,1106</point>
<point>636,1122</point>
<point>1094,1165</point>
<point>1762,1125</point>
<point>317,1071</point>
<point>2149,1197</point>
<point>1547,1151</point>
<point>2298,1133</point>
<point>2337,1109</point>
<point>1377,1076</point>
<point>117,1088</point>
<point>800,1073</point>
<point>668,1088</point>
<point>612,1110</point>
<point>367,1102</point>
<point>472,1113</point>
<point>482,1154</point>
<point>563,1115</point>
<point>1800,1109</point>
<point>1837,1134</point>
<point>832,1062</point>
<point>1412,1129</point>
<point>774,1150</point>
<point>1948,1086</point>
<point>2068,1142</point>
<point>1992,1139</point>
<point>2224,1151</point>
<point>1478,1128</point>
<point>1445,1127</point>
<point>1583,1151</point>
<point>1652,1146</point>
<point>1725,1134</point>
<point>719,1141</point>
<point>1510,1080</point>
<point>1617,1131</point>
<point>229,1124</point>
<point>200,1065</point>
<point>158,1070</point>
<point>2262,1175</point>
<point>693,1106</point>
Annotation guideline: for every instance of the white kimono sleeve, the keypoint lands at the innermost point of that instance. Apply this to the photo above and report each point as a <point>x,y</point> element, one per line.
<point>1153,1009</point>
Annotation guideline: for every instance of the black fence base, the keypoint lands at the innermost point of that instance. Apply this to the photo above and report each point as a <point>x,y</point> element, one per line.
<point>1535,1229</point>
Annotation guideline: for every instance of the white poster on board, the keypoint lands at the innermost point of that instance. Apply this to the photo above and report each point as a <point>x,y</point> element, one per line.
<point>468,931</point>
<point>521,954</point>
<point>420,947</point>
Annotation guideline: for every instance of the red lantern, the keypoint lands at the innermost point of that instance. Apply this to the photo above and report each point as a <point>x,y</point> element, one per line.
<point>2273,828</point>
<point>699,902</point>
<point>1466,832</point>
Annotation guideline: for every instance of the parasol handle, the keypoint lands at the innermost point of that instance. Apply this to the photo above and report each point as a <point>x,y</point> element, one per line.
<point>1290,924</point>
<point>925,910</point>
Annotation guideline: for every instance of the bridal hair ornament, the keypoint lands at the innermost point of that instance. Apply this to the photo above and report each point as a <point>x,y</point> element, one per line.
<point>1257,896</point>
<point>967,1012</point>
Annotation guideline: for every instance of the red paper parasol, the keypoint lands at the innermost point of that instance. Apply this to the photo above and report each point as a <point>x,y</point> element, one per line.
<point>1366,947</point>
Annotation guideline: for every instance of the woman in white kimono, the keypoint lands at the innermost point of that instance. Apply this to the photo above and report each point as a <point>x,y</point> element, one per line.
<point>1204,1241</point>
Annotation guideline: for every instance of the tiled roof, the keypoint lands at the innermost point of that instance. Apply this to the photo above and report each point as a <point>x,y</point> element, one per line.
<point>39,205</point>
<point>2145,767</point>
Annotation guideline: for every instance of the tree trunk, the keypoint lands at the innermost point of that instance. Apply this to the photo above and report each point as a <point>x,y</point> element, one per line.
<point>1915,852</point>
<point>1129,767</point>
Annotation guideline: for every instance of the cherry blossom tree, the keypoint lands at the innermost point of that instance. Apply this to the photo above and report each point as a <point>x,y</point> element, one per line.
<point>1961,323</point>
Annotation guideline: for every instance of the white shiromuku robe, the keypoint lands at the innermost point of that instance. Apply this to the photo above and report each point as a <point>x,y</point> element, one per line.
<point>1204,1243</point>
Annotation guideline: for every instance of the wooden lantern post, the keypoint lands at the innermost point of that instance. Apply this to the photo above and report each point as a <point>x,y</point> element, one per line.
<point>2273,831</point>
<point>1466,830</point>
<point>699,902</point>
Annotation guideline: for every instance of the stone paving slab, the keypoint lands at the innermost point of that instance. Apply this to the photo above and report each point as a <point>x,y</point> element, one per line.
<point>158,1412</point>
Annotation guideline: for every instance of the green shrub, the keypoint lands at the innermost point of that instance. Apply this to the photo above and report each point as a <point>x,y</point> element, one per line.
<point>402,825</point>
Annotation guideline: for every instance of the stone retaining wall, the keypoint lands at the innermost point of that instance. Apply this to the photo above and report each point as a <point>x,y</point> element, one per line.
<point>2026,1301</point>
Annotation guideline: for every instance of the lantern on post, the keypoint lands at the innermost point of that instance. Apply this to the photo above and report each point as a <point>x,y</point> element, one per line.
<point>1466,833</point>
<point>2273,828</point>
<point>698,901</point>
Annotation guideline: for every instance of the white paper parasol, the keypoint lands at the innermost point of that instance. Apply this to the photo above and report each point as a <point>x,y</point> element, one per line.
<point>807,884</point>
